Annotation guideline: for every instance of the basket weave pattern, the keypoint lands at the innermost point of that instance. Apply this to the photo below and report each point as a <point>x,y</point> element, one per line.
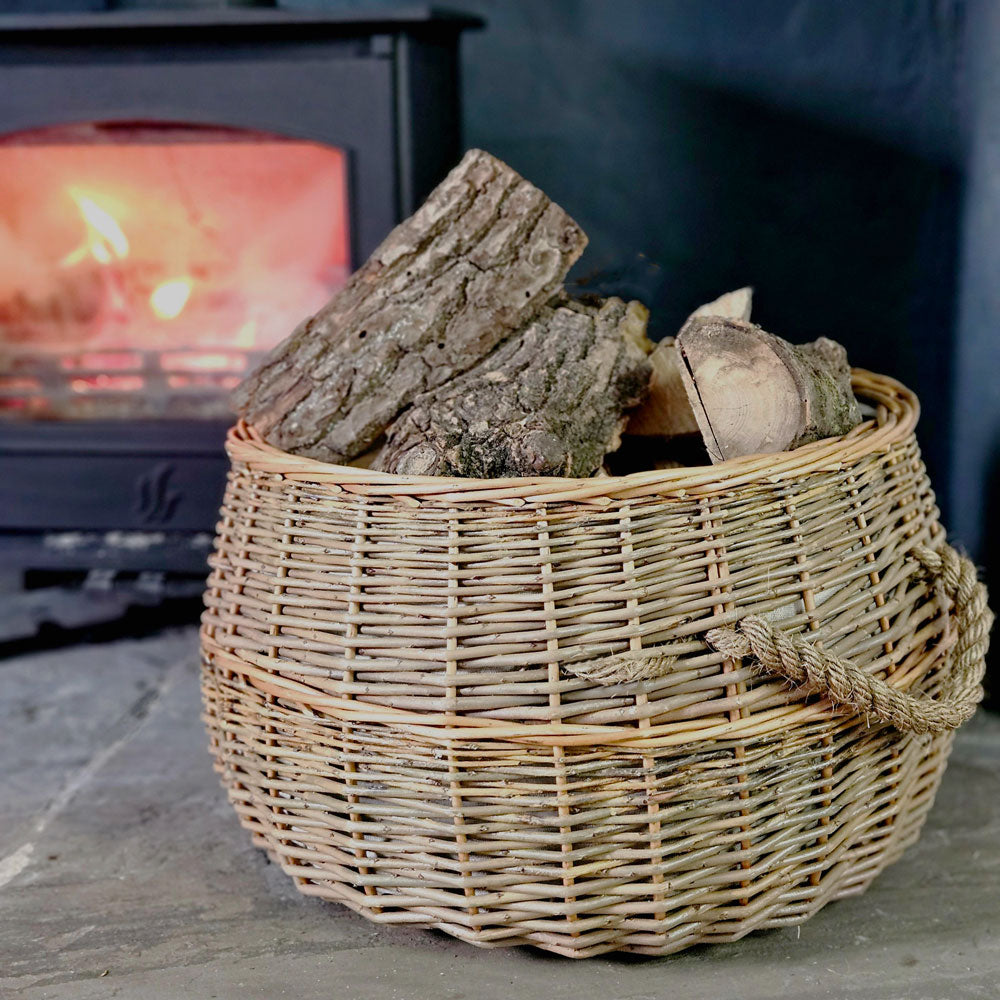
<point>490,706</point>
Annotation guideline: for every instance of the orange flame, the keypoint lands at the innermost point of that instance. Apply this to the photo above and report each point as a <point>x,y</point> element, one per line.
<point>105,239</point>
<point>246,336</point>
<point>169,298</point>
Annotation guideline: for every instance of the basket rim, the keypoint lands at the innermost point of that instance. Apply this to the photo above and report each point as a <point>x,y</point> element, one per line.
<point>897,413</point>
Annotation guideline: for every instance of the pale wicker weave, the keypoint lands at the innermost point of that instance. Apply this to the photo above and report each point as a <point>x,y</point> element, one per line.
<point>492,707</point>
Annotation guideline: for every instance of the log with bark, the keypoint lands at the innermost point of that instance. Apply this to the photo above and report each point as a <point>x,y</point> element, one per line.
<point>666,412</point>
<point>547,402</point>
<point>752,392</point>
<point>476,262</point>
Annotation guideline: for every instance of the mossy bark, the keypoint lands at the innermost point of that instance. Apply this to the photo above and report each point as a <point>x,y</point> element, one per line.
<point>550,401</point>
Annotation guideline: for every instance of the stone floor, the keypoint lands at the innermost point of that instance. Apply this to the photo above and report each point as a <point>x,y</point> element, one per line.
<point>123,873</point>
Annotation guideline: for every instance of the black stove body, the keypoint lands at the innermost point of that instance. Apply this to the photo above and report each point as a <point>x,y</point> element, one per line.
<point>144,495</point>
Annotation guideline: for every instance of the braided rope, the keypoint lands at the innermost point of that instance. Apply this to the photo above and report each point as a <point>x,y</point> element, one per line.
<point>623,668</point>
<point>847,684</point>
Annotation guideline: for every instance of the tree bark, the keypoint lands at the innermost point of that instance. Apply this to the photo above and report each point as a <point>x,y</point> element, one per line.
<point>482,256</point>
<point>752,392</point>
<point>550,401</point>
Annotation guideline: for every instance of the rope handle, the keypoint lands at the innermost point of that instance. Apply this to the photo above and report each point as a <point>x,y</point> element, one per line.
<point>772,651</point>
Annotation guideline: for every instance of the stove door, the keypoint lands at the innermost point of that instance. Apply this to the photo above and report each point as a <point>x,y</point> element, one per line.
<point>144,268</point>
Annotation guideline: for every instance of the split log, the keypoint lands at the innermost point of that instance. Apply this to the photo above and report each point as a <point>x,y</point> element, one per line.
<point>550,401</point>
<point>666,411</point>
<point>477,261</point>
<point>752,392</point>
<point>732,305</point>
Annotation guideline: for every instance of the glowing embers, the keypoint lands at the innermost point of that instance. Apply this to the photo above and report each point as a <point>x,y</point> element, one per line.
<point>144,268</point>
<point>104,383</point>
<point>200,361</point>
<point>92,384</point>
<point>169,298</point>
<point>107,361</point>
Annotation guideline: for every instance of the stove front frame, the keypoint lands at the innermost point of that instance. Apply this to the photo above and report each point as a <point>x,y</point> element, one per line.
<point>382,88</point>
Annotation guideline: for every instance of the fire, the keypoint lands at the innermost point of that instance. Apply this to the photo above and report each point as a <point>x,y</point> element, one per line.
<point>169,298</point>
<point>106,242</point>
<point>246,336</point>
<point>144,270</point>
<point>187,361</point>
<point>105,239</point>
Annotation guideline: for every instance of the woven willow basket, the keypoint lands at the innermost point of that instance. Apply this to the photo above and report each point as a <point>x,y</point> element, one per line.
<point>629,713</point>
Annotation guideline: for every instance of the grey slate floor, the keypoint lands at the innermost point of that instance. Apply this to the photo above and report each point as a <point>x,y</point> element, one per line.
<point>123,873</point>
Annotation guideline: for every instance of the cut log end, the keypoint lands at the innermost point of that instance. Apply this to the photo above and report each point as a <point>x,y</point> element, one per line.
<point>752,392</point>
<point>667,413</point>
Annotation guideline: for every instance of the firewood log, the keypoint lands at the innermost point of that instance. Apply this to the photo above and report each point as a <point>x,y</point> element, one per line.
<point>476,262</point>
<point>752,392</point>
<point>733,305</point>
<point>549,401</point>
<point>666,411</point>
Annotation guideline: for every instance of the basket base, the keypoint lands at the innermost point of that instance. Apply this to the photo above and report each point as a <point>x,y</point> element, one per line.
<point>747,836</point>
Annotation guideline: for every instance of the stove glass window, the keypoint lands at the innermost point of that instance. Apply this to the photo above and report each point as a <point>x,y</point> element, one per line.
<point>144,268</point>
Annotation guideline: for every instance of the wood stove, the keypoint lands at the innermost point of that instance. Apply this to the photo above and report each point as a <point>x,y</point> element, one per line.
<point>178,188</point>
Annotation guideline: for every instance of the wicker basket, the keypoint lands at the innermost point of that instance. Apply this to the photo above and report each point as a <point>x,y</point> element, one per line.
<point>627,713</point>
